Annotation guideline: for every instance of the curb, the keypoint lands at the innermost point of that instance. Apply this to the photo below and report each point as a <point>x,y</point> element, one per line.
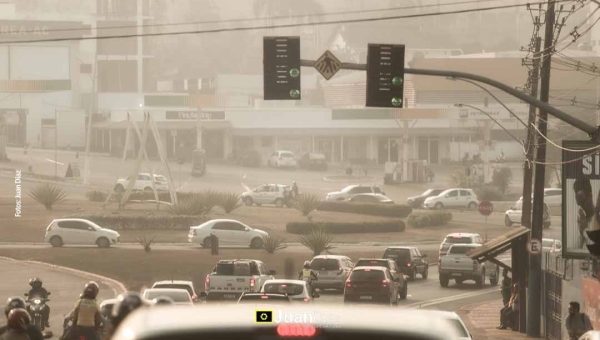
<point>116,286</point>
<point>294,244</point>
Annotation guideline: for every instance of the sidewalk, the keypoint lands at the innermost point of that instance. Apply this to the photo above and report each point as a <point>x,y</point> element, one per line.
<point>483,318</point>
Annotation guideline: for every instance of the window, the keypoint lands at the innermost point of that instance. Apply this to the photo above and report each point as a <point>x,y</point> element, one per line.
<point>465,193</point>
<point>372,263</point>
<point>284,288</point>
<point>325,264</point>
<point>117,46</point>
<point>361,190</point>
<point>117,76</point>
<point>254,269</point>
<point>457,239</point>
<point>75,225</point>
<point>263,269</point>
<point>144,178</point>
<point>233,269</point>
<point>175,286</point>
<point>222,226</point>
<point>176,295</point>
<point>453,193</point>
<point>266,142</point>
<point>460,250</point>
<point>376,190</point>
<point>397,254</point>
<point>367,275</point>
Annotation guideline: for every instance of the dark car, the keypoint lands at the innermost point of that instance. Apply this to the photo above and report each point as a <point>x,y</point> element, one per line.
<point>410,261</point>
<point>417,201</point>
<point>394,270</point>
<point>313,161</point>
<point>371,285</point>
<point>371,198</point>
<point>264,298</point>
<point>249,158</point>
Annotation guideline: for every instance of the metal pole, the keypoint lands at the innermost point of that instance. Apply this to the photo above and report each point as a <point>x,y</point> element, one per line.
<point>88,137</point>
<point>486,228</point>
<point>535,263</point>
<point>55,144</point>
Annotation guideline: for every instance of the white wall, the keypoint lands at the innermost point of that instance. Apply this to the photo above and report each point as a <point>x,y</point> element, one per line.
<point>71,128</point>
<point>39,63</point>
<point>3,62</point>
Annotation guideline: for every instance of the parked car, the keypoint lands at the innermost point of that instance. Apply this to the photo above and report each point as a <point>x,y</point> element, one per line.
<point>453,198</point>
<point>371,285</point>
<point>77,231</point>
<point>514,214</point>
<point>460,267</point>
<point>456,238</point>
<point>179,296</point>
<point>333,271</point>
<point>456,322</point>
<point>371,198</point>
<point>551,245</point>
<point>266,298</point>
<point>230,278</point>
<point>351,191</point>
<point>417,201</point>
<point>552,197</point>
<point>229,232</point>
<point>250,158</point>
<point>390,264</point>
<point>178,284</point>
<point>143,182</point>
<point>409,260</point>
<point>282,159</point>
<point>313,161</point>
<point>267,194</point>
<point>297,290</point>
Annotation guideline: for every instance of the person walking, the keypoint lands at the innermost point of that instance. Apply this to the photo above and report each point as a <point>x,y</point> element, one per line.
<point>577,323</point>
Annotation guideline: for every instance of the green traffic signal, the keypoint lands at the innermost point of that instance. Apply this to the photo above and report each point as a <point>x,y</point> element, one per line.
<point>294,72</point>
<point>397,81</point>
<point>396,101</point>
<point>294,93</point>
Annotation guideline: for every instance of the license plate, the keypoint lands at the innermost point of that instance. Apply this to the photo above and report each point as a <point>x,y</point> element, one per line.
<point>456,274</point>
<point>366,297</point>
<point>229,296</point>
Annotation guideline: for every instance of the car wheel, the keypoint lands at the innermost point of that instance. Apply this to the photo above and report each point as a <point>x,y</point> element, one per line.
<point>480,281</point>
<point>256,243</point>
<point>279,203</point>
<point>404,292</point>
<point>425,273</point>
<point>119,188</point>
<point>56,241</point>
<point>507,221</point>
<point>472,206</point>
<point>439,206</point>
<point>207,243</point>
<point>444,280</point>
<point>248,201</point>
<point>103,242</point>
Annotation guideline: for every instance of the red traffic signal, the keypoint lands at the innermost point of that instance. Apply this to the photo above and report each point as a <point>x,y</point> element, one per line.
<point>594,235</point>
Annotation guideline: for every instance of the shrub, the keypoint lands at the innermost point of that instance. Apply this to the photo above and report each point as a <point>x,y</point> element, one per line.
<point>489,193</point>
<point>96,196</point>
<point>429,219</point>
<point>386,210</point>
<point>306,203</point>
<point>188,206</point>
<point>272,243</point>
<point>289,268</point>
<point>229,201</point>
<point>318,240</point>
<point>211,199</point>
<point>48,195</point>
<point>347,228</point>
<point>146,241</point>
<point>502,178</point>
<point>143,222</point>
<point>459,179</point>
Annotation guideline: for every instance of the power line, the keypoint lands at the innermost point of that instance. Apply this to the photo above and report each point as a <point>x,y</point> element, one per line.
<point>238,29</point>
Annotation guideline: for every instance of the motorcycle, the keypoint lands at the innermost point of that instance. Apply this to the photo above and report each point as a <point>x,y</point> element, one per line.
<point>313,291</point>
<point>37,305</point>
<point>68,330</point>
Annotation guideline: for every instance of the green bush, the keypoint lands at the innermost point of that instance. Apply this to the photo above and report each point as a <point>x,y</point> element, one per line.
<point>347,228</point>
<point>386,210</point>
<point>96,196</point>
<point>48,195</point>
<point>429,219</point>
<point>229,201</point>
<point>502,178</point>
<point>144,222</point>
<point>193,205</point>
<point>306,203</point>
<point>272,243</point>
<point>146,242</point>
<point>318,240</point>
<point>489,193</point>
<point>211,199</point>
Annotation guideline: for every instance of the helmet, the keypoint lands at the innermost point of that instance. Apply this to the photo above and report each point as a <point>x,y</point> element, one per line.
<point>90,291</point>
<point>36,281</point>
<point>126,304</point>
<point>18,319</point>
<point>306,264</point>
<point>12,303</point>
<point>163,300</point>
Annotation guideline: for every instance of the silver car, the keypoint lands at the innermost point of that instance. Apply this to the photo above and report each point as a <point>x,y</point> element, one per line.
<point>333,271</point>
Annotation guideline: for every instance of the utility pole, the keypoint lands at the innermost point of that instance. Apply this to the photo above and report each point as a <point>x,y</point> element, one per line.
<point>55,144</point>
<point>88,137</point>
<point>535,264</point>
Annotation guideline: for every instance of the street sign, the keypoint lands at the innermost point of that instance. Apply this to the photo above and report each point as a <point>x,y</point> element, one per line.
<point>385,75</point>
<point>534,246</point>
<point>328,65</point>
<point>486,208</point>
<point>281,62</point>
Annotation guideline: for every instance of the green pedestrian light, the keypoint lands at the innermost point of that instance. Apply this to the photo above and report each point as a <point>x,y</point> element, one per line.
<point>397,81</point>
<point>294,93</point>
<point>294,72</point>
<point>396,101</point>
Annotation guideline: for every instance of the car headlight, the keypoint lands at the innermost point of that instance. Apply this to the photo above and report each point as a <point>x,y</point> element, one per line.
<point>37,301</point>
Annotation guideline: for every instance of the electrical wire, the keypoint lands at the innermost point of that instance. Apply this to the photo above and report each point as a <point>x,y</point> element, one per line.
<point>597,147</point>
<point>239,29</point>
<point>566,162</point>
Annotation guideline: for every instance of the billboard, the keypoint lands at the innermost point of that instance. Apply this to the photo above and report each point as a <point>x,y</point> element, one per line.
<point>580,191</point>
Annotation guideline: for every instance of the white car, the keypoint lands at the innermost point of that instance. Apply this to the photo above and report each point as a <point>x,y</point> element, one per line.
<point>297,290</point>
<point>453,198</point>
<point>552,197</point>
<point>76,231</point>
<point>457,323</point>
<point>179,296</point>
<point>144,182</point>
<point>351,191</point>
<point>106,307</point>
<point>229,232</point>
<point>459,238</point>
<point>178,284</point>
<point>514,214</point>
<point>266,194</point>
<point>551,245</point>
<point>282,159</point>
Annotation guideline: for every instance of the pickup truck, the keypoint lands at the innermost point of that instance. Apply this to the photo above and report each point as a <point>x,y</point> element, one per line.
<point>230,278</point>
<point>458,266</point>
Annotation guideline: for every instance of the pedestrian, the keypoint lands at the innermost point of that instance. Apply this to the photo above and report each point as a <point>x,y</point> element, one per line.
<point>506,287</point>
<point>577,323</point>
<point>294,189</point>
<point>506,312</point>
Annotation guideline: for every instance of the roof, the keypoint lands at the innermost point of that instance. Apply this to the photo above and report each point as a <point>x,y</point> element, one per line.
<point>330,257</point>
<point>462,234</point>
<point>371,268</point>
<point>149,322</point>
<point>401,247</point>
<point>177,282</point>
<point>297,282</point>
<point>497,245</point>
<point>166,290</point>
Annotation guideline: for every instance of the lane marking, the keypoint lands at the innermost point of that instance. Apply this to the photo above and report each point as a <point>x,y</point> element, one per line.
<point>51,161</point>
<point>433,302</point>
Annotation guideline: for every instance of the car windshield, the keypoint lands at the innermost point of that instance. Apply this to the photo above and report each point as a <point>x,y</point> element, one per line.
<point>161,179</point>
<point>175,286</point>
<point>367,275</point>
<point>325,264</point>
<point>233,269</point>
<point>287,155</point>
<point>397,254</point>
<point>348,188</point>
<point>372,263</point>
<point>547,243</point>
<point>460,250</point>
<point>457,239</point>
<point>176,295</point>
<point>427,192</point>
<point>290,289</point>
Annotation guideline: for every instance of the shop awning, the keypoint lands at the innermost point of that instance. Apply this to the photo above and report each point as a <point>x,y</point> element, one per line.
<point>497,246</point>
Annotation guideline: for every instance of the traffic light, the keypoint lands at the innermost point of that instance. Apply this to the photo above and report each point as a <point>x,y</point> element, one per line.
<point>281,62</point>
<point>385,76</point>
<point>594,235</point>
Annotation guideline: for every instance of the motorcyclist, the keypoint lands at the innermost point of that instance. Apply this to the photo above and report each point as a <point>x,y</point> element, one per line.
<point>18,323</point>
<point>309,275</point>
<point>86,315</point>
<point>126,304</point>
<point>38,291</point>
<point>16,302</point>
